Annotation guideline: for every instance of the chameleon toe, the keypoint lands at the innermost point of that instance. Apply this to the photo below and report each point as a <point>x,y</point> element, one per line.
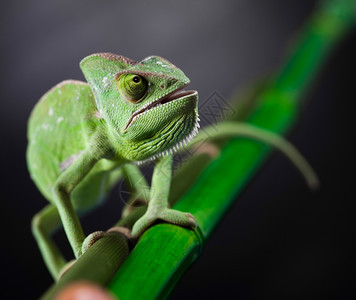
<point>167,215</point>
<point>91,239</point>
<point>178,218</point>
<point>142,225</point>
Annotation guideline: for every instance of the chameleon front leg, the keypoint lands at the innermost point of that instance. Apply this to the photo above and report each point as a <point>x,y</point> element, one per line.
<point>66,182</point>
<point>158,203</point>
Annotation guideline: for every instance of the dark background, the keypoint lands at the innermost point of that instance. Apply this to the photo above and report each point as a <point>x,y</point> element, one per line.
<point>280,240</point>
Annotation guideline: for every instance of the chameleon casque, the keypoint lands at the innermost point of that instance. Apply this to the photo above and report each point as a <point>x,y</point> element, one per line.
<point>83,137</point>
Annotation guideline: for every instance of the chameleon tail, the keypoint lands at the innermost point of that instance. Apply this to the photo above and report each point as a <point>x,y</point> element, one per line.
<point>226,129</point>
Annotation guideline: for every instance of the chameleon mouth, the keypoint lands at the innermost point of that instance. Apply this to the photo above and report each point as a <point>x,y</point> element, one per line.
<point>175,95</point>
<point>179,145</point>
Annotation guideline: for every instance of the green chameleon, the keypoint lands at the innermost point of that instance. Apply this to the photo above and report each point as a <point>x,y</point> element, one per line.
<point>83,137</point>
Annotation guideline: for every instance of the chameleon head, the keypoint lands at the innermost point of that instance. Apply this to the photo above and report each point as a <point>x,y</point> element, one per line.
<point>144,103</point>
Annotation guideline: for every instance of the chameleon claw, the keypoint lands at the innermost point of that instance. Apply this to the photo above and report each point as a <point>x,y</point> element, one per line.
<point>167,215</point>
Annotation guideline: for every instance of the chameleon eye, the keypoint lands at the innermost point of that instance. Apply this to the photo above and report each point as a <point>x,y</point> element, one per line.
<point>133,87</point>
<point>136,79</point>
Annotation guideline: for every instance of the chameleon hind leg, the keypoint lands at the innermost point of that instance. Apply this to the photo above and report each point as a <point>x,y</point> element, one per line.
<point>44,224</point>
<point>158,203</point>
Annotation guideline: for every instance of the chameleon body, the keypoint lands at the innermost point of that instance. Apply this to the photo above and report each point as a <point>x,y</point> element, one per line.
<point>83,138</point>
<point>80,133</point>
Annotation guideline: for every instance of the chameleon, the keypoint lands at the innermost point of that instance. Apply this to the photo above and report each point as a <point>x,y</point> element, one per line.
<point>85,136</point>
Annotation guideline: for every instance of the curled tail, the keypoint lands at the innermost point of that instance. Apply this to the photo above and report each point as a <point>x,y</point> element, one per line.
<point>238,129</point>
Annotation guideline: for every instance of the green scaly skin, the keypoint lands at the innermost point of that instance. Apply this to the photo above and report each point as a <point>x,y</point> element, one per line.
<point>80,134</point>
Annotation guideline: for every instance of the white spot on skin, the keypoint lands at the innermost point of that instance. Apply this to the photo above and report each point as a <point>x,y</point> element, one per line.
<point>105,80</point>
<point>105,84</point>
<point>162,64</point>
<point>50,111</point>
<point>59,120</point>
<point>98,115</point>
<point>65,164</point>
<point>113,105</point>
<point>44,126</point>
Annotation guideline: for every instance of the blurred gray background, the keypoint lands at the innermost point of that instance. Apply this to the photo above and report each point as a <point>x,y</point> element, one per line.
<point>280,240</point>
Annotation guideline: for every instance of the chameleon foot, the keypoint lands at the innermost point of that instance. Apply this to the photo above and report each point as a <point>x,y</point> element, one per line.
<point>91,239</point>
<point>95,236</point>
<point>167,215</point>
